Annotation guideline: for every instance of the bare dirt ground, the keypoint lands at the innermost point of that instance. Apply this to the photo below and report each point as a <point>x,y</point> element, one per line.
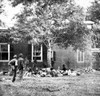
<point>84,85</point>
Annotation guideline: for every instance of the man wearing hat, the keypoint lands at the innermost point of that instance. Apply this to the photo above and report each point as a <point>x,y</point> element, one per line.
<point>13,64</point>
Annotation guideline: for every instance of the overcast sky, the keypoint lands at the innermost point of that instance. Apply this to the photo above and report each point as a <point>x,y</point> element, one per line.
<point>9,13</point>
<point>7,16</point>
<point>84,3</point>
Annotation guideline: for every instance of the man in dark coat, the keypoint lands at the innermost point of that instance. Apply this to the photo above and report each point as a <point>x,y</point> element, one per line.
<point>20,65</point>
<point>34,66</point>
<point>13,64</point>
<point>26,62</point>
<point>64,67</point>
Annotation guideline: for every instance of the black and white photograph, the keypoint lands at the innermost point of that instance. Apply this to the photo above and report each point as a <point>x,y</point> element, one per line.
<point>49,47</point>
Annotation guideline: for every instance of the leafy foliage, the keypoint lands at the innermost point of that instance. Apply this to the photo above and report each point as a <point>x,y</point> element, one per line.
<point>94,11</point>
<point>94,15</point>
<point>60,23</point>
<point>73,35</point>
<point>1,11</point>
<point>42,3</point>
<point>49,21</point>
<point>5,35</point>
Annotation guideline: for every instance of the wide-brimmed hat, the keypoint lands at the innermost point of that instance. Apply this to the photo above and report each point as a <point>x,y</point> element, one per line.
<point>15,56</point>
<point>20,55</point>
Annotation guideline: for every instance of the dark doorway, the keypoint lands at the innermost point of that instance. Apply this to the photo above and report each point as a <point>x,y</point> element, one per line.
<point>96,64</point>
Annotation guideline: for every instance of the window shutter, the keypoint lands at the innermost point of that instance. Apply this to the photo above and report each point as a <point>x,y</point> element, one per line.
<point>11,51</point>
<point>54,56</point>
<point>29,52</point>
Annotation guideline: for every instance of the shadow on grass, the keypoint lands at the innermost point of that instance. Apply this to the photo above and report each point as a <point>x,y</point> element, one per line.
<point>1,91</point>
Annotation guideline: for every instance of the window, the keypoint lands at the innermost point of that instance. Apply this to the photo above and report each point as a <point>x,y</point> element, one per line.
<point>37,52</point>
<point>80,56</point>
<point>4,52</point>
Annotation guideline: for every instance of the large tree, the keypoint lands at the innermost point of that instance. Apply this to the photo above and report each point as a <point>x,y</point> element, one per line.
<point>58,21</point>
<point>94,15</point>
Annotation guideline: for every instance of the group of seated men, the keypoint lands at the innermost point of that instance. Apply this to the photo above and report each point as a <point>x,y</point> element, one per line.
<point>51,72</point>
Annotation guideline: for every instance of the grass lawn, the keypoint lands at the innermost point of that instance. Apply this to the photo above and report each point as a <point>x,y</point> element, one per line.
<point>84,85</point>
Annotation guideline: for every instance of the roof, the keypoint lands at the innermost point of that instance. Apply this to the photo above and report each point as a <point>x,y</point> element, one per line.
<point>1,27</point>
<point>4,29</point>
<point>89,22</point>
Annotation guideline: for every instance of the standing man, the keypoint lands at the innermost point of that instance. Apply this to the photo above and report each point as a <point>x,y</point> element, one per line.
<point>20,65</point>
<point>34,65</point>
<point>26,61</point>
<point>13,64</point>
